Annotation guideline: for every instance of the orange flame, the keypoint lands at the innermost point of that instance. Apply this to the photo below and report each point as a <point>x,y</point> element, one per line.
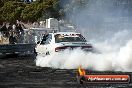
<point>81,71</point>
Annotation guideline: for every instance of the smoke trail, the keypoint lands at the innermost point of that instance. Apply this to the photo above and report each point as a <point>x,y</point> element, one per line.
<point>113,57</point>
<point>110,59</point>
<point>107,25</point>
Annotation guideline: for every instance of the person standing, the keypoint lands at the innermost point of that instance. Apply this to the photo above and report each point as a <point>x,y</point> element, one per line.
<point>3,29</point>
<point>12,38</point>
<point>10,27</point>
<point>20,32</point>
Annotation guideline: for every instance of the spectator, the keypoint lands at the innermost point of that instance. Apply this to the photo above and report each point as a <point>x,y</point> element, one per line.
<point>20,32</point>
<point>4,30</point>
<point>19,29</point>
<point>14,29</point>
<point>30,37</point>
<point>10,27</point>
<point>12,38</point>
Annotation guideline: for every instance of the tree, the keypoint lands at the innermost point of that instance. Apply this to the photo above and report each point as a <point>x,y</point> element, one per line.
<point>11,11</point>
<point>41,10</point>
<point>33,11</point>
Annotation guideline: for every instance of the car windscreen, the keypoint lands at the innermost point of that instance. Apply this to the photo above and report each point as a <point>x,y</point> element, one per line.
<point>71,38</point>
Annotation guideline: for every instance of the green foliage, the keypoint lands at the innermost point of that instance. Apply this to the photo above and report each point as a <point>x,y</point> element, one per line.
<point>11,10</point>
<point>33,11</point>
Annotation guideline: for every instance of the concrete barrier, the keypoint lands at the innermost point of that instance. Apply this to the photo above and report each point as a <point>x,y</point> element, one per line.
<point>17,48</point>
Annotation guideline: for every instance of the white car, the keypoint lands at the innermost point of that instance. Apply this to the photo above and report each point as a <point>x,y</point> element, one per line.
<point>56,42</point>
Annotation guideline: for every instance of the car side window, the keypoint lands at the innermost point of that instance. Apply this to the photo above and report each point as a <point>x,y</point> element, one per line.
<point>46,39</point>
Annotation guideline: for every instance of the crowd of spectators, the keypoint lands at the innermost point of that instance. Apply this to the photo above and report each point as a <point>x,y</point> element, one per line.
<point>14,32</point>
<point>18,33</point>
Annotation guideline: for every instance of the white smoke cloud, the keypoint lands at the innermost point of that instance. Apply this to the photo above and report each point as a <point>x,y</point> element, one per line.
<point>120,60</point>
<point>73,59</point>
<point>124,57</point>
<point>106,24</point>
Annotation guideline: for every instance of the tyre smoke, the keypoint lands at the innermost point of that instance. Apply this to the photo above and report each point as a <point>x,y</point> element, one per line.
<point>106,24</point>
<point>112,57</point>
